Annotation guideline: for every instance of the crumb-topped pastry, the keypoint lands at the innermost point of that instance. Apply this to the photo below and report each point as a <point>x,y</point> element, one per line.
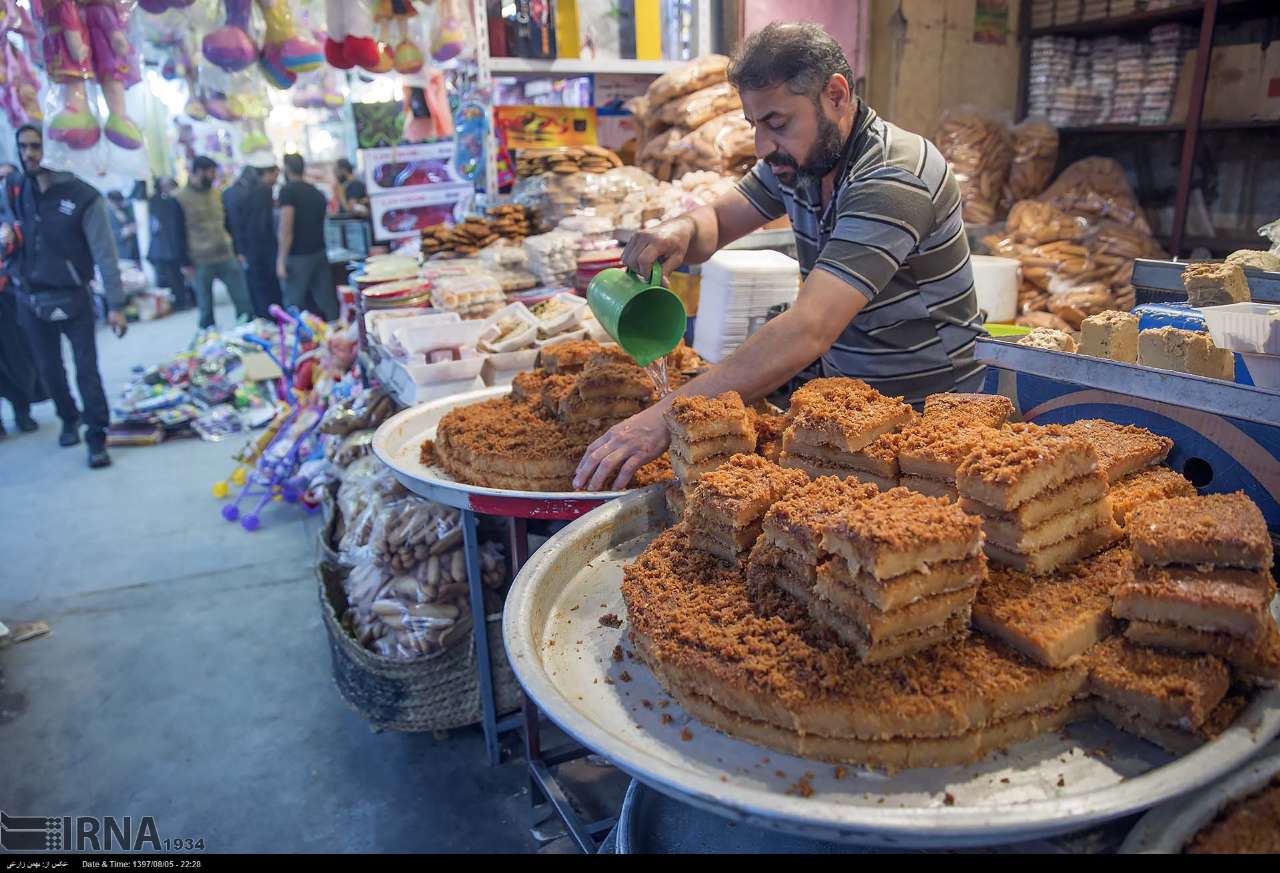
<point>1226,530</point>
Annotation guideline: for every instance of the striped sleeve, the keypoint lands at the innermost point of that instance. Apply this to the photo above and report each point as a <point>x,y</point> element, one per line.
<point>760,187</point>
<point>882,217</point>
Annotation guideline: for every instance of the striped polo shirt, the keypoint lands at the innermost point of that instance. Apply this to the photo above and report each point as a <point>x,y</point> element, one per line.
<point>893,232</point>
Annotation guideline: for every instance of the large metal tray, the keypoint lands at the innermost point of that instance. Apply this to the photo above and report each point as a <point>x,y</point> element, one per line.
<point>1168,827</point>
<point>562,656</point>
<point>397,444</point>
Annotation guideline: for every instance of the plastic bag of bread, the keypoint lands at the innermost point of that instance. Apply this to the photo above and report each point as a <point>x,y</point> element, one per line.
<point>694,110</point>
<point>1036,222</point>
<point>724,144</point>
<point>979,150</point>
<point>1042,319</point>
<point>1035,153</point>
<point>1096,188</point>
<point>693,76</point>
<point>1073,303</point>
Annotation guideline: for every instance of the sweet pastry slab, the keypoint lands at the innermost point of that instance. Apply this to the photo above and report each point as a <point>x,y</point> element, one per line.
<point>816,469</point>
<point>1169,688</point>
<point>969,410</point>
<point>844,413</point>
<point>1256,662</point>
<point>1122,448</point>
<point>796,521</point>
<point>739,493</point>
<point>1059,554</point>
<point>1011,466</point>
<point>899,591</point>
<point>1014,537</point>
<point>1219,600</point>
<point>1047,505</point>
<point>877,625</point>
<point>727,444</point>
<point>694,419</point>
<point>690,472</point>
<point>1247,826</point>
<point>1225,530</point>
<point>1147,486</point>
<point>889,648</point>
<point>930,487</point>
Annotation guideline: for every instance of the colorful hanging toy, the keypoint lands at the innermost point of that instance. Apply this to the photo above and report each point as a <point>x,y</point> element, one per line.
<point>350,41</point>
<point>230,46</point>
<point>85,39</point>
<point>284,53</point>
<point>407,57</point>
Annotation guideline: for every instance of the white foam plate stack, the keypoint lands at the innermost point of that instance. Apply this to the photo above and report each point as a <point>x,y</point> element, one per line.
<point>738,286</point>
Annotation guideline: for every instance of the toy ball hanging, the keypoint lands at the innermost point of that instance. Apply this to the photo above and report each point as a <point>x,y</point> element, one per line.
<point>298,55</point>
<point>229,48</point>
<point>408,58</point>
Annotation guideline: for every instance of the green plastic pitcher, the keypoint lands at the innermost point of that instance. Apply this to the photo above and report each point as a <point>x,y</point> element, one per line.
<point>645,318</point>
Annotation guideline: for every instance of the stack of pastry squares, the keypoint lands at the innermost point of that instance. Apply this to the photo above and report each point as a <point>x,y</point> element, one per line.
<point>1040,495</point>
<point>845,428</point>
<point>1202,582</point>
<point>1130,458</point>
<point>789,548</point>
<point>1053,619</point>
<point>568,357</point>
<point>1147,486</point>
<point>705,432</point>
<point>604,393</point>
<point>725,509</point>
<point>904,573</point>
<point>969,410</point>
<point>1173,699</point>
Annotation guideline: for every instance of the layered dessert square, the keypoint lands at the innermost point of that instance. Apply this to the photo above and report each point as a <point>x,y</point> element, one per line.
<point>1223,530</point>
<point>1256,662</point>
<point>1184,351</point>
<point>930,453</point>
<point>1250,826</point>
<point>706,431</point>
<point>1010,467</point>
<point>569,356</point>
<point>1122,448</point>
<point>1214,284</point>
<point>1050,339</point>
<point>1154,686</point>
<point>1217,600</point>
<point>1053,619</point>
<point>845,414</point>
<point>969,410</point>
<point>1147,486</point>
<point>877,464</point>
<point>725,510</point>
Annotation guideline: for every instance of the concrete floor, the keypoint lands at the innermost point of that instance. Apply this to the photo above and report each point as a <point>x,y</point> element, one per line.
<point>187,676</point>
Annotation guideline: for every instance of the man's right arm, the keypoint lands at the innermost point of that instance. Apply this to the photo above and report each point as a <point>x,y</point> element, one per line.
<point>694,237</point>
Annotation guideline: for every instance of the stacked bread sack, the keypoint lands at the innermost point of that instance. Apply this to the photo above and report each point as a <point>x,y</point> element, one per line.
<point>979,150</point>
<point>1035,153</point>
<point>407,592</point>
<point>1077,242</point>
<point>691,119</point>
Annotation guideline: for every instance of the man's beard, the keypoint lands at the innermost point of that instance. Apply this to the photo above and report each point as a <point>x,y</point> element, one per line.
<point>823,156</point>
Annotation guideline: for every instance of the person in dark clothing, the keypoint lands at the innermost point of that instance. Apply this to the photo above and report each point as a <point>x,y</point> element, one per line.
<point>123,226</point>
<point>53,230</point>
<point>250,217</point>
<point>353,195</point>
<point>167,249</point>
<point>19,381</point>
<point>303,263</point>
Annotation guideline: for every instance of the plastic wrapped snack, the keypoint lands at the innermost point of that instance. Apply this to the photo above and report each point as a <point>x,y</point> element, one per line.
<point>472,295</point>
<point>725,144</point>
<point>1035,153</point>
<point>693,76</point>
<point>364,411</point>
<point>694,110</point>
<point>980,152</point>
<point>553,257</point>
<point>1036,222</point>
<point>511,328</point>
<point>1096,188</point>
<point>560,314</point>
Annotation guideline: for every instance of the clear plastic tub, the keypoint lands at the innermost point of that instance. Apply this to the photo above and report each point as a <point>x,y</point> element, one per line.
<point>1245,327</point>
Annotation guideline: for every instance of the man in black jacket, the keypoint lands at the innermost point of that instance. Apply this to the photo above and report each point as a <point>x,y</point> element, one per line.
<point>250,206</point>
<point>167,250</point>
<point>53,230</point>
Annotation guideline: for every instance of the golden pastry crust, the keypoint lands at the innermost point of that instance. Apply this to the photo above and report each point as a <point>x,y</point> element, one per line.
<point>695,418</point>
<point>1014,537</point>
<point>930,487</point>
<point>608,380</point>
<point>816,469</point>
<point>876,625</point>
<point>1047,504</point>
<point>1147,486</point>
<point>1060,554</point>
<point>1122,448</point>
<point>899,591</point>
<point>1255,662</point>
<point>1179,739</point>
<point>741,491</point>
<point>845,413</point>
<point>1226,530</point>
<point>798,519</point>
<point>568,357</point>
<point>1056,618</point>
<point>934,449</point>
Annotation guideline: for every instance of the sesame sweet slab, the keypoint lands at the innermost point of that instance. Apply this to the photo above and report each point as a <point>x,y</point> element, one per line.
<point>1013,466</point>
<point>1122,448</point>
<point>1226,530</point>
<point>1218,600</point>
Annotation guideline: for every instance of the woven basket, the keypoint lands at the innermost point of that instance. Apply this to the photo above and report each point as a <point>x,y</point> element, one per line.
<point>432,694</point>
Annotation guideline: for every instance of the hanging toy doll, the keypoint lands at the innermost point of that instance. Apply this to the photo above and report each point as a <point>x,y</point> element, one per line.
<point>407,57</point>
<point>160,7</point>
<point>230,46</point>
<point>65,41</point>
<point>284,53</point>
<point>350,41</point>
<point>115,64</point>
<point>22,90</point>
<point>450,36</point>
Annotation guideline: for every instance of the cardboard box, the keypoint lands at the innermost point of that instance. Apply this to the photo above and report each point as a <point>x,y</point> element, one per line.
<point>399,168</point>
<point>406,213</point>
<point>1237,88</point>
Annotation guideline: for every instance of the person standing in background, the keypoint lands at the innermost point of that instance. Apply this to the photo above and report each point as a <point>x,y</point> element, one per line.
<point>250,215</point>
<point>167,251</point>
<point>207,243</point>
<point>53,232</point>
<point>353,196</point>
<point>19,380</point>
<point>303,263</point>
<point>123,226</point>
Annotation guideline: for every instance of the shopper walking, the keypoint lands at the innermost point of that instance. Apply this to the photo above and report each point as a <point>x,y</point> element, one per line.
<point>207,243</point>
<point>53,230</point>
<point>19,380</point>
<point>303,264</point>
<point>250,215</point>
<point>124,227</point>
<point>167,250</point>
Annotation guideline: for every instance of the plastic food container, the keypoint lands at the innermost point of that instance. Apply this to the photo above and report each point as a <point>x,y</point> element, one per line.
<point>996,282</point>
<point>1263,369</point>
<point>1245,327</point>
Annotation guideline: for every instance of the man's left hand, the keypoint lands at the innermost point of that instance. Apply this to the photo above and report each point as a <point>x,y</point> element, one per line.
<point>624,448</point>
<point>119,324</point>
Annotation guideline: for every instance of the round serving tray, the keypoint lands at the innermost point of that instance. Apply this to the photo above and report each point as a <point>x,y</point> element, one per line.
<point>563,656</point>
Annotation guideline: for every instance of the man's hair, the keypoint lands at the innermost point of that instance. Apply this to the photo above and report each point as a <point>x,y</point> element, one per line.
<point>294,164</point>
<point>202,163</point>
<point>17,134</point>
<point>800,55</point>
<point>344,165</point>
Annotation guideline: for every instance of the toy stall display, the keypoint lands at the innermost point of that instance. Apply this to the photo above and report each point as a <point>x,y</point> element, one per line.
<point>19,87</point>
<point>349,41</point>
